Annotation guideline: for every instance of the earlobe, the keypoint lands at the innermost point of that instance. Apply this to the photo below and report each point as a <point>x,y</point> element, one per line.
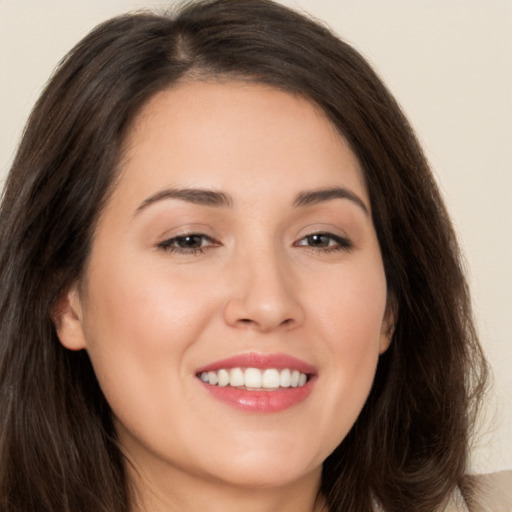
<point>388,326</point>
<point>67,317</point>
<point>385,339</point>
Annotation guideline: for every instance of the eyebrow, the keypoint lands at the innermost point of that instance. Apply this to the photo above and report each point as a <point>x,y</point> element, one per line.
<point>190,195</point>
<point>326,194</point>
<point>220,199</point>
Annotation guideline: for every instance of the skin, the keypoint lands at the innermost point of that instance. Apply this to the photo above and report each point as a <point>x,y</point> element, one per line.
<point>149,317</point>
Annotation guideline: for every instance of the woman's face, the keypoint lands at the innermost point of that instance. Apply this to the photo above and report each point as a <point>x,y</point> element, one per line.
<point>238,239</point>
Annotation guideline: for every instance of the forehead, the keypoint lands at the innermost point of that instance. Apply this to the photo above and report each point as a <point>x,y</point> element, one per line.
<point>235,136</point>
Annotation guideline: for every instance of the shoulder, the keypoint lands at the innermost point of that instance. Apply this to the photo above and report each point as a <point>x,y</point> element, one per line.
<point>483,493</point>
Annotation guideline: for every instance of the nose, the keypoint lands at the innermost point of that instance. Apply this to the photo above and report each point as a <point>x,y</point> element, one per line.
<point>263,294</point>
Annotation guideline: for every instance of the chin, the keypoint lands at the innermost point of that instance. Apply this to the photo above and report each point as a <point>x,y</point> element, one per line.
<point>266,469</point>
<point>258,478</point>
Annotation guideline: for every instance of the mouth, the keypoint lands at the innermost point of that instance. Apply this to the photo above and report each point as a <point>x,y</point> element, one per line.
<point>270,379</point>
<point>259,382</point>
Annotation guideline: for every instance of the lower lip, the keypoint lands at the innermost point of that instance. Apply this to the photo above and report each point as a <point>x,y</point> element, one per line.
<point>261,401</point>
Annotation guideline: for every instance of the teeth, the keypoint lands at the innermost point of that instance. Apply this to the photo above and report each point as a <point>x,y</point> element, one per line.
<point>236,377</point>
<point>255,378</point>
<point>285,379</point>
<point>252,378</point>
<point>270,379</point>
<point>223,376</point>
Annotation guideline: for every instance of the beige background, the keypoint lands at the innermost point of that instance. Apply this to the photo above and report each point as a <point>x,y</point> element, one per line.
<point>449,63</point>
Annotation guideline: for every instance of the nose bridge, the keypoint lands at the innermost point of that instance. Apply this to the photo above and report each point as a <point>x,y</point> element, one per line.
<point>263,292</point>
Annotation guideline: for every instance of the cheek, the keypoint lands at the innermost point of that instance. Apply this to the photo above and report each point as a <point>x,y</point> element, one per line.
<point>349,308</point>
<point>139,324</point>
<point>135,304</point>
<point>349,320</point>
<point>356,332</point>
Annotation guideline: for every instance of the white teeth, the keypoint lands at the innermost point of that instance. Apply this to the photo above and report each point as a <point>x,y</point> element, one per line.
<point>254,378</point>
<point>285,379</point>
<point>270,379</point>
<point>236,377</point>
<point>223,378</point>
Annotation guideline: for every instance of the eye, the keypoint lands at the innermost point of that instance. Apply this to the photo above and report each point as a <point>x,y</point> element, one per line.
<point>190,243</point>
<point>326,242</point>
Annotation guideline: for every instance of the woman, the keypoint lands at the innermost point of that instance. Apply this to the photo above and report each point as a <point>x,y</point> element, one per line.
<point>230,281</point>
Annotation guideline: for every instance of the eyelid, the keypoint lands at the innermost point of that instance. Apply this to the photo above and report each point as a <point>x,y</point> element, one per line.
<point>186,229</point>
<point>167,244</point>
<point>343,243</point>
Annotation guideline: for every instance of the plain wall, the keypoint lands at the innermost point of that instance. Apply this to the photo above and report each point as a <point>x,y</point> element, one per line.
<point>448,62</point>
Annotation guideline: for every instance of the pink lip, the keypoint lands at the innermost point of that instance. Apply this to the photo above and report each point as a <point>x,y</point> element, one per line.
<point>261,401</point>
<point>255,360</point>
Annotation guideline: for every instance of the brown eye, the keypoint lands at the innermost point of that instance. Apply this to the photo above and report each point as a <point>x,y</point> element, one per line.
<point>325,241</point>
<point>189,241</point>
<point>319,240</point>
<point>188,244</point>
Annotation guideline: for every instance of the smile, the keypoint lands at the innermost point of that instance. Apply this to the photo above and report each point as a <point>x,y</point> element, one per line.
<point>255,378</point>
<point>259,383</point>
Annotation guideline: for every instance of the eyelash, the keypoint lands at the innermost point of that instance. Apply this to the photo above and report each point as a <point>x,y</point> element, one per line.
<point>341,243</point>
<point>167,246</point>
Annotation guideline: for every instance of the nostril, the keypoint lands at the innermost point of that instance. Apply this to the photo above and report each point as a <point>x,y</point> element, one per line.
<point>248,321</point>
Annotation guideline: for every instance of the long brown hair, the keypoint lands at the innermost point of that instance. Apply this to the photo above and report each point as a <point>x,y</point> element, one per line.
<point>408,448</point>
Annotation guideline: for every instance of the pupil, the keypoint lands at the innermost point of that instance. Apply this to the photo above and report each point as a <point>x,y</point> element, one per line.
<point>318,240</point>
<point>190,242</point>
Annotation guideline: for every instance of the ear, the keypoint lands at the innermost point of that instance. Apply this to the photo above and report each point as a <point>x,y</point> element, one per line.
<point>388,325</point>
<point>68,319</point>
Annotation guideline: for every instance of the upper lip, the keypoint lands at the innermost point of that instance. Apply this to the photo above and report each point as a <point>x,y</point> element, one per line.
<point>278,361</point>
